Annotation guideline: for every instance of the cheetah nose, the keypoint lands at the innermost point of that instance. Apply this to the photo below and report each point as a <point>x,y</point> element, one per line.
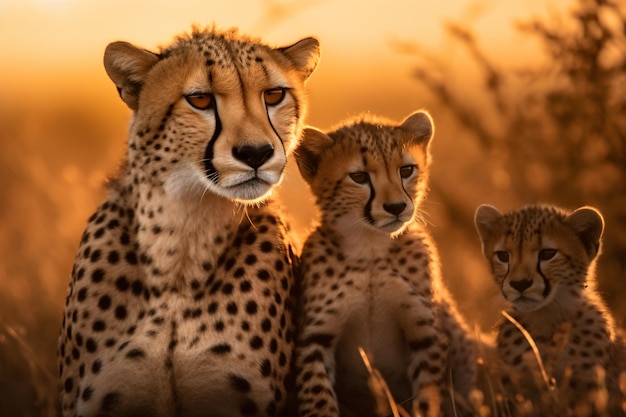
<point>394,208</point>
<point>253,156</point>
<point>521,285</point>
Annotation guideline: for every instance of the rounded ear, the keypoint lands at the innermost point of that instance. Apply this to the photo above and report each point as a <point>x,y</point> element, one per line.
<point>486,220</point>
<point>421,126</point>
<point>588,224</point>
<point>305,55</point>
<point>127,67</point>
<point>309,151</point>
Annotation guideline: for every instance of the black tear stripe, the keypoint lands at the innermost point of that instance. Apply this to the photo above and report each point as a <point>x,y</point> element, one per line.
<point>367,209</point>
<point>269,119</point>
<point>210,170</point>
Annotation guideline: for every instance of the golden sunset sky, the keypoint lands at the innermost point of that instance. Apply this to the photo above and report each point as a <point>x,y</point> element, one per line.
<point>47,46</point>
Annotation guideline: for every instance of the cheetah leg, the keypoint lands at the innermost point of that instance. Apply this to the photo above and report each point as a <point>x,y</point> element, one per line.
<point>315,379</point>
<point>427,367</point>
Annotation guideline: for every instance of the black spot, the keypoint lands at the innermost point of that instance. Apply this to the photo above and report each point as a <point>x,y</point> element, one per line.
<point>120,312</point>
<point>239,383</point>
<point>91,345</point>
<point>227,289</point>
<point>68,384</point>
<point>121,283</point>
<point>82,294</point>
<point>135,354</point>
<point>87,394</point>
<point>266,246</point>
<point>256,342</point>
<point>232,308</point>
<point>97,275</point>
<point>422,344</point>
<point>263,275</point>
<point>114,257</point>
<point>104,302</point>
<point>96,366</point>
<point>266,367</point>
<point>95,255</point>
<point>245,286</point>
<point>98,326</point>
<point>266,325</point>
<point>131,258</point>
<point>250,259</point>
<point>251,307</point>
<point>212,307</point>
<point>136,287</point>
<point>221,349</point>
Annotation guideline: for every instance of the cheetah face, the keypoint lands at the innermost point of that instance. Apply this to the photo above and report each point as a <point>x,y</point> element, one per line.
<point>539,255</point>
<point>213,112</point>
<point>369,175</point>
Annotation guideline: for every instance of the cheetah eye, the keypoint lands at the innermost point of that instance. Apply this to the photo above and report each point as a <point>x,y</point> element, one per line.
<point>546,254</point>
<point>406,171</point>
<point>360,177</point>
<point>274,96</point>
<point>503,256</point>
<point>200,101</point>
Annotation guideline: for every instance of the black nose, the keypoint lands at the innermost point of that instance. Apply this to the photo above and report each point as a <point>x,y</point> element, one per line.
<point>394,208</point>
<point>521,285</point>
<point>254,156</point>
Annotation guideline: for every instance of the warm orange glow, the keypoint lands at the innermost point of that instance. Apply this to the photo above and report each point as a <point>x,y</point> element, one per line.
<point>63,127</point>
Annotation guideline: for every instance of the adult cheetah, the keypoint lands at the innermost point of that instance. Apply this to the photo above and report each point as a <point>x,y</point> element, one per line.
<point>179,301</point>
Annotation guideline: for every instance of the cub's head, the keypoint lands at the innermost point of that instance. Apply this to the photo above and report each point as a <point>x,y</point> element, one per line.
<point>370,172</point>
<point>214,111</point>
<point>539,253</point>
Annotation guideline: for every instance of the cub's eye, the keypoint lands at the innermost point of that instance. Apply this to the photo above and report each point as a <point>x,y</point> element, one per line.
<point>274,96</point>
<point>200,101</point>
<point>406,171</point>
<point>503,256</point>
<point>546,254</point>
<point>360,177</point>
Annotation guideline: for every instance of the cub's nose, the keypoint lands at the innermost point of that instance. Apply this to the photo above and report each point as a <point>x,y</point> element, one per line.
<point>521,284</point>
<point>253,156</point>
<point>394,208</point>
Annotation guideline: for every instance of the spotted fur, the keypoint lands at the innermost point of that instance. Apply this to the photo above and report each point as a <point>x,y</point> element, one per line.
<point>370,275</point>
<point>543,260</point>
<point>179,301</point>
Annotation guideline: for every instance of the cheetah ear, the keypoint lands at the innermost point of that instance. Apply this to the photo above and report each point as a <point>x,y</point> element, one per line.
<point>127,66</point>
<point>421,126</point>
<point>309,151</point>
<point>305,55</point>
<point>486,220</point>
<point>588,224</point>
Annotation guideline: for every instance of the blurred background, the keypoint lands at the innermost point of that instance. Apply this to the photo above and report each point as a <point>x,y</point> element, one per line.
<point>528,98</point>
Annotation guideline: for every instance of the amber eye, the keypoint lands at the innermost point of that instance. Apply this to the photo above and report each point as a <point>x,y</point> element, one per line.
<point>200,101</point>
<point>274,96</point>
<point>546,254</point>
<point>406,171</point>
<point>503,256</point>
<point>360,177</point>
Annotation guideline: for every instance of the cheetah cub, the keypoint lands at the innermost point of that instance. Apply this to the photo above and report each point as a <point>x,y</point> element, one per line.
<point>370,275</point>
<point>543,260</point>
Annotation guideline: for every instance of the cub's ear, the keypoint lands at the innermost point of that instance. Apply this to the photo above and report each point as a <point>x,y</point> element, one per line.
<point>588,224</point>
<point>421,127</point>
<point>127,66</point>
<point>486,220</point>
<point>304,54</point>
<point>309,152</point>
